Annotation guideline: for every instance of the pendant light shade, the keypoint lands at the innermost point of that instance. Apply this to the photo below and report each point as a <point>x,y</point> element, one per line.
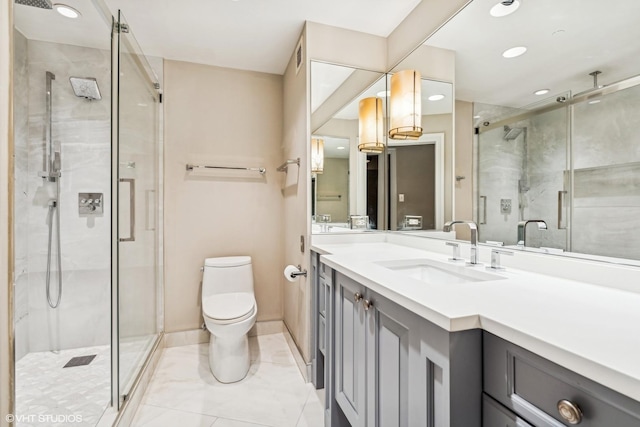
<point>405,105</point>
<point>317,155</point>
<point>371,126</point>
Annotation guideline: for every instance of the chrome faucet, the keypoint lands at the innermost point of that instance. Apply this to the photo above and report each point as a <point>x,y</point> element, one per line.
<point>522,229</point>
<point>473,258</point>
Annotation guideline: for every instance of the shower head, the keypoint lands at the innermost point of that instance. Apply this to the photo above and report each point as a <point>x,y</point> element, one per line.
<point>85,87</point>
<point>512,133</point>
<point>43,4</point>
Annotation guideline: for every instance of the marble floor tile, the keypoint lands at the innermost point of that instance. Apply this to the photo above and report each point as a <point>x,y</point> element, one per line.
<point>45,389</point>
<point>273,393</point>
<point>149,416</point>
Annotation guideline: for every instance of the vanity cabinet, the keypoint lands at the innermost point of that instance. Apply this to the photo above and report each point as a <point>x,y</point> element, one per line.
<point>394,368</point>
<point>546,394</point>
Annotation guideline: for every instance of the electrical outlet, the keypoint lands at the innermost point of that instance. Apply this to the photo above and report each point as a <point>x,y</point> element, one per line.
<point>505,206</point>
<point>400,198</point>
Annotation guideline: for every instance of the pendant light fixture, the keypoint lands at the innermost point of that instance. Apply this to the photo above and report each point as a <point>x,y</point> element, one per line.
<point>317,155</point>
<point>371,128</point>
<point>405,105</point>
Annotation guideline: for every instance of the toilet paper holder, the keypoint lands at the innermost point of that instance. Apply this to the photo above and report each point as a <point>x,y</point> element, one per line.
<point>300,272</point>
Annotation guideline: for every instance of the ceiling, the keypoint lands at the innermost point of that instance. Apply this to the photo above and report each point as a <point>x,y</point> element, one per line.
<point>331,145</point>
<point>257,35</point>
<point>566,40</point>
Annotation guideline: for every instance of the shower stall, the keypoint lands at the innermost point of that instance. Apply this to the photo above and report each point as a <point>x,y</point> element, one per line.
<point>87,291</point>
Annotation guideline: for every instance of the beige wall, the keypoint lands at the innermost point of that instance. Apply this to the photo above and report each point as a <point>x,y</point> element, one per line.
<point>295,187</point>
<point>226,117</point>
<point>464,165</point>
<point>6,256</point>
<point>333,182</point>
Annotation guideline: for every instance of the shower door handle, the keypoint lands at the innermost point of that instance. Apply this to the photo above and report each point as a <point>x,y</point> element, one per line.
<point>483,219</point>
<point>132,210</point>
<point>561,195</point>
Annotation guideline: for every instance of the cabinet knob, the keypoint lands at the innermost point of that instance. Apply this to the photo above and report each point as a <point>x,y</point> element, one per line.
<point>569,411</point>
<point>357,297</point>
<point>367,304</point>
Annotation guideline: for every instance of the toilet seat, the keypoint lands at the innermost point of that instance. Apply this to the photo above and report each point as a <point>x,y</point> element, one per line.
<point>229,307</point>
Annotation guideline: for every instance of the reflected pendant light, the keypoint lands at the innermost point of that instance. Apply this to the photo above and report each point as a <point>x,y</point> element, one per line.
<point>405,105</point>
<point>317,155</point>
<point>370,123</point>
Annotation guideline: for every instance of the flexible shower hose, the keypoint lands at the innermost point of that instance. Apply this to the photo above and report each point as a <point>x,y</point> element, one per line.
<point>53,210</point>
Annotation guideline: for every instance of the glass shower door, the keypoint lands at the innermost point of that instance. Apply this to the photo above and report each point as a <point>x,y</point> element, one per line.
<point>136,181</point>
<point>522,175</point>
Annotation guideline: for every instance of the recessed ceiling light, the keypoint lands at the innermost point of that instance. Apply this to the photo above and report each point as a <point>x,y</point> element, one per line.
<point>383,94</point>
<point>514,52</point>
<point>594,101</point>
<point>67,11</point>
<point>340,148</point>
<point>476,117</point>
<point>541,92</point>
<point>436,97</point>
<point>504,8</point>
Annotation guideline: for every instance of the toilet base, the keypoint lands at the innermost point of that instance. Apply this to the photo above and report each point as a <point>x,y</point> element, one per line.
<point>229,357</point>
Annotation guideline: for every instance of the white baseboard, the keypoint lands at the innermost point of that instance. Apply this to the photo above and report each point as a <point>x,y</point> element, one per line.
<point>304,367</point>
<point>199,336</point>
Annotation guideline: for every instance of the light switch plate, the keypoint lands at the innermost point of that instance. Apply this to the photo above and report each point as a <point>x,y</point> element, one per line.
<point>400,197</point>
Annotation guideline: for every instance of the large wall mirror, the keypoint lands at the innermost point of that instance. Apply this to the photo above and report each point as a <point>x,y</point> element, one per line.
<point>555,95</point>
<point>350,183</point>
<point>408,186</point>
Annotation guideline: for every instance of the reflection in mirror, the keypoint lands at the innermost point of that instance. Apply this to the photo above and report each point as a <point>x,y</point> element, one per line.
<point>349,187</point>
<point>330,189</point>
<point>556,128</point>
<point>417,167</point>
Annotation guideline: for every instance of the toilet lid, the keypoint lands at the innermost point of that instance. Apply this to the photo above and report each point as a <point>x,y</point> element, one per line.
<point>228,306</point>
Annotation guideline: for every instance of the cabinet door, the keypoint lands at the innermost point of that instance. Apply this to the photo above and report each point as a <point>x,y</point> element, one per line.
<point>388,362</point>
<point>350,351</point>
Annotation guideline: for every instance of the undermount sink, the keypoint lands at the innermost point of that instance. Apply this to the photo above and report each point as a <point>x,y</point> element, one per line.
<point>439,273</point>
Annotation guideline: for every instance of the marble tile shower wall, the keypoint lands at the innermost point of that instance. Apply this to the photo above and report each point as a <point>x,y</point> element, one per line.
<point>500,165</point>
<point>21,203</point>
<point>606,161</point>
<point>81,132</point>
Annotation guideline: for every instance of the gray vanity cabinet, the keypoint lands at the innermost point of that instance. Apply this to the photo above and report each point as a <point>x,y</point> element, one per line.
<point>548,395</point>
<point>394,368</point>
<point>350,350</point>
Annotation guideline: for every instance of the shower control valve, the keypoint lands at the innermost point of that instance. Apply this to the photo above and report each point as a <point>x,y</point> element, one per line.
<point>90,204</point>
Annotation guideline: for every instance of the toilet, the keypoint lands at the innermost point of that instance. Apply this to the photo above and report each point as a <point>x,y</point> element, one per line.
<point>229,310</point>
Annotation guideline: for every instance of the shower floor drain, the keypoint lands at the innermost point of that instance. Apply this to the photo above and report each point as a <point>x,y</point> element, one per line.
<point>80,361</point>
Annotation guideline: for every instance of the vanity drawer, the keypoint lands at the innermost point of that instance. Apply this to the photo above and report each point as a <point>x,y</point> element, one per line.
<point>532,387</point>
<point>496,415</point>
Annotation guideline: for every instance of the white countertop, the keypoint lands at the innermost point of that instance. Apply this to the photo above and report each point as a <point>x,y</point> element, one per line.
<point>589,328</point>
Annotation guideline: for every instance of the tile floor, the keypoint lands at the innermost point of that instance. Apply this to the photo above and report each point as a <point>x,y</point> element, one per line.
<point>184,393</point>
<point>45,389</point>
<point>46,392</point>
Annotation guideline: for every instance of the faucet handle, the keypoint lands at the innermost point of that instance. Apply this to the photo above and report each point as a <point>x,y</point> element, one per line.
<point>495,258</point>
<point>456,251</point>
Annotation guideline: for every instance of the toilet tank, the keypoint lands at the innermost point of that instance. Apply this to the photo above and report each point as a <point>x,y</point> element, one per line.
<point>227,274</point>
